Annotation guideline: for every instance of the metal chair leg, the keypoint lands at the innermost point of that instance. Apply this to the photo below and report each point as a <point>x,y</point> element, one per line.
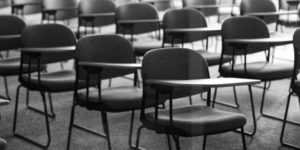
<point>52,115</point>
<point>45,146</point>
<point>204,142</point>
<point>269,115</point>
<point>176,140</point>
<point>106,128</point>
<point>236,105</point>
<point>138,136</point>
<point>6,89</point>
<point>169,142</point>
<point>130,133</point>
<point>243,139</point>
<point>191,100</point>
<point>71,126</point>
<point>284,124</point>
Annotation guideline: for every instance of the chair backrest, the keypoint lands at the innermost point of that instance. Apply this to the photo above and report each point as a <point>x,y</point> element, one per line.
<point>296,43</point>
<point>10,25</point>
<point>29,9</point>
<point>98,6</point>
<point>207,11</point>
<point>105,48</point>
<point>244,27</point>
<point>49,35</point>
<point>175,63</point>
<point>184,18</point>
<point>2,144</point>
<point>62,15</point>
<point>137,11</point>
<point>248,6</point>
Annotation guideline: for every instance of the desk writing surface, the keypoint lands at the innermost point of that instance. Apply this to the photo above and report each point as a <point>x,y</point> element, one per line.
<point>211,6</point>
<point>139,21</point>
<point>272,40</point>
<point>10,36</point>
<point>111,65</point>
<point>262,14</point>
<point>202,29</point>
<point>211,82</point>
<point>97,14</point>
<point>49,49</point>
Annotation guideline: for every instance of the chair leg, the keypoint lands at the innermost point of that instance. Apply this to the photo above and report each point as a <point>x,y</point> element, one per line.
<point>6,88</point>
<point>176,140</point>
<point>270,116</point>
<point>71,126</point>
<point>51,105</point>
<point>138,136</point>
<point>51,115</point>
<point>204,142</point>
<point>214,101</point>
<point>284,124</point>
<point>169,142</point>
<point>243,139</point>
<point>106,128</point>
<point>191,100</point>
<point>130,133</point>
<point>46,121</point>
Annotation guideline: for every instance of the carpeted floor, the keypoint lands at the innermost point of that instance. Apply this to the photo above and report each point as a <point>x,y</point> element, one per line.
<point>266,137</point>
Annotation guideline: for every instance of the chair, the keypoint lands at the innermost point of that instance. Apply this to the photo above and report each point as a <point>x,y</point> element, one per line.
<point>101,57</point>
<point>41,45</point>
<point>250,6</point>
<point>188,18</point>
<point>289,19</point>
<point>294,89</point>
<point>246,27</point>
<point>53,10</point>
<point>181,121</point>
<point>161,5</point>
<point>145,19</point>
<point>21,7</point>
<point>95,13</point>
<point>10,31</point>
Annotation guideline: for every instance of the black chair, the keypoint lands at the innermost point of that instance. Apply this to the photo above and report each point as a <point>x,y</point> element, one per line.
<point>144,19</point>
<point>246,27</point>
<point>41,45</point>
<point>93,14</point>
<point>294,89</point>
<point>54,10</point>
<point>252,6</point>
<point>21,7</point>
<point>292,18</point>
<point>11,33</point>
<point>101,57</point>
<point>2,144</point>
<point>188,18</point>
<point>182,121</point>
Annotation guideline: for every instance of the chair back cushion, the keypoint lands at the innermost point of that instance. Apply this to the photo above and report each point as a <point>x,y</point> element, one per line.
<point>244,27</point>
<point>107,49</point>
<point>137,11</point>
<point>184,18</point>
<point>175,63</point>
<point>248,6</point>
<point>10,25</point>
<point>49,35</point>
<point>98,6</point>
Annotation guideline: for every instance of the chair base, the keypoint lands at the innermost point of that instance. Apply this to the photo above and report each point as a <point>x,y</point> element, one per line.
<point>32,141</point>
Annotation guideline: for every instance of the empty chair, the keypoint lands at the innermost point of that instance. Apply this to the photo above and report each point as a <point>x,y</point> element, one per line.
<point>11,28</point>
<point>246,27</point>
<point>44,44</point>
<point>294,89</point>
<point>95,13</point>
<point>100,57</point>
<point>181,121</point>
<point>21,7</point>
<point>292,18</point>
<point>2,144</point>
<point>188,18</point>
<point>138,18</point>
<point>53,10</point>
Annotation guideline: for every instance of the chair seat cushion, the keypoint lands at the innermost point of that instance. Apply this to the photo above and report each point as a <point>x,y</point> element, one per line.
<point>259,70</point>
<point>194,121</point>
<point>142,47</point>
<point>115,99</point>
<point>11,66</point>
<point>213,58</point>
<point>59,81</point>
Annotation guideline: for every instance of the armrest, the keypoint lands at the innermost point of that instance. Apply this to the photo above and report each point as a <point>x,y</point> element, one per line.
<point>111,65</point>
<point>97,15</point>
<point>213,82</point>
<point>10,36</point>
<point>49,49</point>
<point>4,101</point>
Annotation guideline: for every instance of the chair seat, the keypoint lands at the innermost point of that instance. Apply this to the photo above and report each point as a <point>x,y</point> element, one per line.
<point>213,58</point>
<point>59,81</point>
<point>142,47</point>
<point>259,70</point>
<point>195,121</point>
<point>11,66</point>
<point>115,99</point>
